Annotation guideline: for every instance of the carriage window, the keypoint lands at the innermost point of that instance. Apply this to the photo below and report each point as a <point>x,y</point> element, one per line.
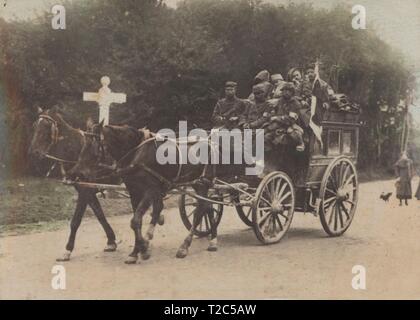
<point>347,142</point>
<point>333,142</point>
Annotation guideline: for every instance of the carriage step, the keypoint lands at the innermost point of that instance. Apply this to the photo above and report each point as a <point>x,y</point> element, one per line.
<point>230,187</point>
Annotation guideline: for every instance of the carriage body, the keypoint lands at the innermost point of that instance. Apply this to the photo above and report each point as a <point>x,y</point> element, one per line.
<point>322,180</point>
<point>340,136</point>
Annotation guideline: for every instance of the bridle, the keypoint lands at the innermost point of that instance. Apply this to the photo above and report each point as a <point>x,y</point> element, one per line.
<point>55,138</point>
<point>54,129</point>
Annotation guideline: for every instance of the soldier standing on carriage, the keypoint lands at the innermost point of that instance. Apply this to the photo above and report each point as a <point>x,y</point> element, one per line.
<point>230,110</point>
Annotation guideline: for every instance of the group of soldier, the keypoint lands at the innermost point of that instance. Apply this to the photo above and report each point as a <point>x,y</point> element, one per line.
<point>280,107</point>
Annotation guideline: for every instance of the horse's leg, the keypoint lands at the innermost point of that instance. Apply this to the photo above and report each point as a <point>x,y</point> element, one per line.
<point>198,216</point>
<point>141,245</point>
<point>132,258</point>
<point>75,223</point>
<point>213,235</point>
<point>99,213</point>
<point>156,215</point>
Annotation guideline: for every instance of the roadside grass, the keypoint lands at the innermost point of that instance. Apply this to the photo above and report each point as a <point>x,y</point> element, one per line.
<point>33,204</point>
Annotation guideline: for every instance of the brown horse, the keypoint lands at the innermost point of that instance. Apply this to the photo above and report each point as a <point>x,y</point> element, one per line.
<point>147,181</point>
<point>55,139</point>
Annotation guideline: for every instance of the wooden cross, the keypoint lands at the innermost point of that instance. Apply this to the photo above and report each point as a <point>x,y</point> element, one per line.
<point>104,97</point>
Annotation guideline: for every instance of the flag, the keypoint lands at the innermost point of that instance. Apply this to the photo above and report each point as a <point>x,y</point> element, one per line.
<point>317,129</point>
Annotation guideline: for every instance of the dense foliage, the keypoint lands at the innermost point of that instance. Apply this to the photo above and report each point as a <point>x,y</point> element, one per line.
<point>172,63</point>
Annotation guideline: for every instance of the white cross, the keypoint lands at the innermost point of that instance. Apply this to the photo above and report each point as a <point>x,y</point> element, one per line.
<point>104,97</point>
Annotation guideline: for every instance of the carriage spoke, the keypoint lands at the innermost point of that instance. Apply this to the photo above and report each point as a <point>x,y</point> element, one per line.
<point>329,205</point>
<point>272,192</point>
<point>345,174</point>
<point>345,211</point>
<point>264,219</point>
<point>348,180</point>
<point>263,211</point>
<point>335,217</point>
<point>340,216</point>
<point>284,197</point>
<point>329,200</point>
<point>278,185</point>
<point>276,217</point>
<point>192,213</point>
<point>284,216</point>
<point>349,201</point>
<point>330,191</point>
<point>281,191</point>
<point>331,210</point>
<point>266,201</point>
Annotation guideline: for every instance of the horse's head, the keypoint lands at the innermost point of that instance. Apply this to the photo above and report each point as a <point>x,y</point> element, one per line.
<point>102,140</point>
<point>45,133</point>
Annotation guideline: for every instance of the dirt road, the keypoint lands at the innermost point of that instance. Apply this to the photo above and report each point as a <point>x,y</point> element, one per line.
<point>384,238</point>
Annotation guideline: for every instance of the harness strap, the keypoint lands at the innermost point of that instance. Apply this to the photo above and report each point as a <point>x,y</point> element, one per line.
<point>161,178</point>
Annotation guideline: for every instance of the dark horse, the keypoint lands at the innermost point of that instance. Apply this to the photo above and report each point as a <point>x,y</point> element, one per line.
<point>55,139</point>
<point>147,181</point>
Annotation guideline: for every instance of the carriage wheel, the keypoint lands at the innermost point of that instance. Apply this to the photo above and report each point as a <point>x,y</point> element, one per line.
<point>187,208</point>
<point>339,195</point>
<point>273,207</point>
<point>245,214</point>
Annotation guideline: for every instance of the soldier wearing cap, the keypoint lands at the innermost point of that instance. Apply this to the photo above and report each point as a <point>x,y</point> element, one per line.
<point>285,119</point>
<point>230,110</point>
<point>262,78</point>
<point>278,82</point>
<point>259,111</point>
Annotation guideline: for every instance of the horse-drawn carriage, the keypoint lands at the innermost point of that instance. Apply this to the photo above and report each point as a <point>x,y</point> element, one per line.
<point>322,180</point>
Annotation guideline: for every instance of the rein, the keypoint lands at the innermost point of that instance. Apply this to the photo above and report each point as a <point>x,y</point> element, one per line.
<point>55,138</point>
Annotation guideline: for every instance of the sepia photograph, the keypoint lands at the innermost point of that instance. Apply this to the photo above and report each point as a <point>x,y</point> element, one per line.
<point>209,150</point>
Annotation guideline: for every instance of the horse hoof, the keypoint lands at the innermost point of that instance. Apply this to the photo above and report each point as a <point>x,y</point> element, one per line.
<point>110,247</point>
<point>212,248</point>
<point>66,257</point>
<point>161,220</point>
<point>131,260</point>
<point>182,253</point>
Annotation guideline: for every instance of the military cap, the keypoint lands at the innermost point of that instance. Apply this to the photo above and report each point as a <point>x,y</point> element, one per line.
<point>258,88</point>
<point>310,66</point>
<point>276,76</point>
<point>231,84</point>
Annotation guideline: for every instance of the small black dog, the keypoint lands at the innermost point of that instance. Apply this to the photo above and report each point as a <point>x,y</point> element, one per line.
<point>385,196</point>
